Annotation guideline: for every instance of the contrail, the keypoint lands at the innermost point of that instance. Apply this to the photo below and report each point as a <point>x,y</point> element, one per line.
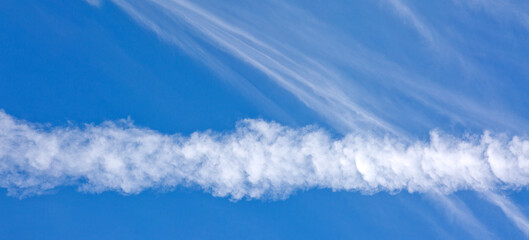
<point>257,159</point>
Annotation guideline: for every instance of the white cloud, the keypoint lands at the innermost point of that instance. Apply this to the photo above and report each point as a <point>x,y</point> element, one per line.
<point>263,159</point>
<point>258,159</point>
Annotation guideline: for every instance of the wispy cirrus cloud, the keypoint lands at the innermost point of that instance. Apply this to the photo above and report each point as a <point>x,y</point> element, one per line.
<point>459,212</point>
<point>308,58</point>
<point>516,11</point>
<point>417,23</point>
<point>95,3</point>
<point>307,79</point>
<point>510,210</point>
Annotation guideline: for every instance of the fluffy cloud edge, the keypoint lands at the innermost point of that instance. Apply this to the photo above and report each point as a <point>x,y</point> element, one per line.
<point>258,159</point>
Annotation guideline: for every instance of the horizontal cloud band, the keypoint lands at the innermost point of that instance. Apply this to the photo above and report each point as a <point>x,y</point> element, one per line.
<point>257,159</point>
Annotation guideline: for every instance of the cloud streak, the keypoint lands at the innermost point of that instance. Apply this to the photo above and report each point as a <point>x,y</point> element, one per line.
<point>510,210</point>
<point>258,159</point>
<point>352,87</point>
<point>310,81</point>
<point>503,10</point>
<point>457,210</point>
<point>406,13</point>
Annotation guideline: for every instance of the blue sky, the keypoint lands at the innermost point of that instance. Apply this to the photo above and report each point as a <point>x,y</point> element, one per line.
<point>161,119</point>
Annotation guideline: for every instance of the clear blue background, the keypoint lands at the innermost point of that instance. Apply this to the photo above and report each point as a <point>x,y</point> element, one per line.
<point>66,61</point>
